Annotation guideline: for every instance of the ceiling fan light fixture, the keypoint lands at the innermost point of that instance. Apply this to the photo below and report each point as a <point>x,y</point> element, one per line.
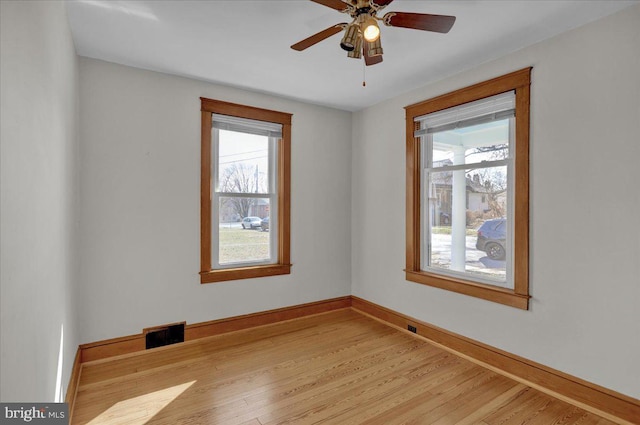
<point>350,38</point>
<point>375,48</point>
<point>356,53</point>
<point>371,30</point>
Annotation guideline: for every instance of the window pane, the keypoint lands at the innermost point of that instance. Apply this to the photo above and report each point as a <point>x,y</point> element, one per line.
<point>466,229</point>
<point>243,164</point>
<point>244,234</point>
<point>471,145</point>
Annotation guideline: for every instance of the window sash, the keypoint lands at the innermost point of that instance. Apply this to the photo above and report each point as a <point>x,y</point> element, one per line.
<point>215,231</point>
<point>272,193</point>
<point>469,166</point>
<point>426,141</point>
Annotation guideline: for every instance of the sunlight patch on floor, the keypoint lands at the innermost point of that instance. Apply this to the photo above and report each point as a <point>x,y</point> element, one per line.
<point>139,410</point>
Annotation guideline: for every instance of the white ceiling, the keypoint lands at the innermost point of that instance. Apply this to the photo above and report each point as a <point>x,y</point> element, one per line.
<point>246,43</point>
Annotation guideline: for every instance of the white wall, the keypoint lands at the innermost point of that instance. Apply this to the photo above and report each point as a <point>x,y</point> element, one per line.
<point>140,204</point>
<point>585,205</point>
<point>38,187</point>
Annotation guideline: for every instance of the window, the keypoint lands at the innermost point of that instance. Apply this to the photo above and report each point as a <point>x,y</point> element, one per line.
<point>245,191</point>
<point>468,190</point>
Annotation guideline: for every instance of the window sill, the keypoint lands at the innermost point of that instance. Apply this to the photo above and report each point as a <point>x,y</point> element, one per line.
<point>222,275</point>
<point>479,290</point>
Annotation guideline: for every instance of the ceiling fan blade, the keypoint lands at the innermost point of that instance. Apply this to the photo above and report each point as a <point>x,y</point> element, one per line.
<point>369,60</point>
<point>338,5</point>
<point>318,37</point>
<point>382,3</point>
<point>420,21</point>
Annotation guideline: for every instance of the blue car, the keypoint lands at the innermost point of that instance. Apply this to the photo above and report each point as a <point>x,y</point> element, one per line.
<point>492,238</point>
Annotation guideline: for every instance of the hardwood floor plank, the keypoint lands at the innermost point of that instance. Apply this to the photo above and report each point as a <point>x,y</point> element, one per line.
<point>464,404</point>
<point>336,384</point>
<point>318,377</point>
<point>534,408</point>
<point>336,368</point>
<point>475,415</point>
<point>377,406</point>
<point>419,406</point>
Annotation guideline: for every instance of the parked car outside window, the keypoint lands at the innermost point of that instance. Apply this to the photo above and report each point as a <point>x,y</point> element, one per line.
<point>251,222</point>
<point>492,236</point>
<point>265,224</point>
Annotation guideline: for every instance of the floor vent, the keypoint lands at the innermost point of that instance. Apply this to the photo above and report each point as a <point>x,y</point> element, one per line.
<point>160,336</point>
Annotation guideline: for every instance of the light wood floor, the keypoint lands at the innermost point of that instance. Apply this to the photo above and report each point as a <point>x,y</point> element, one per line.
<point>334,368</point>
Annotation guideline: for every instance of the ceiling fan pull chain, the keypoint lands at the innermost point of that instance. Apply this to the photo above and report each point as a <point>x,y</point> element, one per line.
<point>364,77</point>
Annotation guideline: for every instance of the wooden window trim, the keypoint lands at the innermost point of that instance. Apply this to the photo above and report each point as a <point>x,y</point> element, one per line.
<point>518,297</point>
<point>283,264</point>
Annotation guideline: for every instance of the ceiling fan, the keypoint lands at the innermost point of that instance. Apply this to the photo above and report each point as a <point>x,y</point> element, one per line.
<point>362,35</point>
